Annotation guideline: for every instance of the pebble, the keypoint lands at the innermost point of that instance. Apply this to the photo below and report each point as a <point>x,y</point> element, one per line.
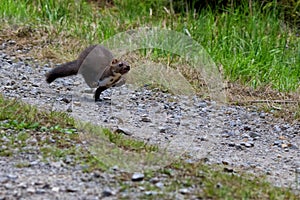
<point>55,189</point>
<point>184,191</point>
<point>145,119</point>
<point>137,176</point>
<point>162,129</point>
<point>123,130</point>
<point>254,134</point>
<point>12,176</point>
<point>71,189</point>
<point>192,124</point>
<point>107,192</point>
<point>159,185</point>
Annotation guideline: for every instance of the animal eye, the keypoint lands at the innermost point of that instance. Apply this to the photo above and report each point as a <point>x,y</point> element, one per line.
<point>120,64</point>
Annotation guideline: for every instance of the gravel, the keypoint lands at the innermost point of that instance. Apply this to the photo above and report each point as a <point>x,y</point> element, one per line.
<point>237,137</point>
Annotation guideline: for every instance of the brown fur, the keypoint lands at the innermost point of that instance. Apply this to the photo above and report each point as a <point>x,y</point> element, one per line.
<point>111,76</point>
<point>69,68</point>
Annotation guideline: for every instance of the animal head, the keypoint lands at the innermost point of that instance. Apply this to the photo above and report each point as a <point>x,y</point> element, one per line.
<point>120,66</point>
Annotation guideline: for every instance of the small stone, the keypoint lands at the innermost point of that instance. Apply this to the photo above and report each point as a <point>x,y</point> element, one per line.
<point>159,185</point>
<point>277,142</point>
<point>149,193</point>
<point>231,144</point>
<point>254,134</point>
<point>12,176</point>
<point>279,156</point>
<point>64,99</point>
<point>227,134</point>
<point>8,186</point>
<point>32,141</point>
<point>224,162</point>
<point>115,168</point>
<point>107,192</point>
<point>22,185</point>
<point>141,188</point>
<point>293,146</point>
<point>228,169</point>
<point>123,130</point>
<point>145,119</point>
<point>137,176</point>
<point>96,174</point>
<point>247,128</point>
<point>219,185</point>
<point>57,164</point>
<point>262,115</point>
<point>76,103</point>
<point>107,98</point>
<point>88,90</point>
<point>71,189</point>
<point>162,129</point>
<point>55,189</point>
<point>12,42</point>
<point>40,191</point>
<point>76,83</point>
<point>184,191</point>
<point>3,180</point>
<point>249,144</point>
<point>86,178</point>
<point>239,147</point>
<point>282,137</point>
<point>69,109</point>
<point>277,128</point>
<point>232,123</point>
<point>154,180</point>
<point>201,105</point>
<point>30,190</point>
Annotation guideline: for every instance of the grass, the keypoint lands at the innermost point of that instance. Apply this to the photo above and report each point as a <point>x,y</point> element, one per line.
<point>255,47</point>
<point>55,144</point>
<point>23,116</point>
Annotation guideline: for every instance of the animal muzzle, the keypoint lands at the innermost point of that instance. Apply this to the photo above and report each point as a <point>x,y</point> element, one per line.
<point>125,69</point>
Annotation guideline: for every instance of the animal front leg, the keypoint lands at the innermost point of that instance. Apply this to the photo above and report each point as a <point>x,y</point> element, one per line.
<point>99,91</point>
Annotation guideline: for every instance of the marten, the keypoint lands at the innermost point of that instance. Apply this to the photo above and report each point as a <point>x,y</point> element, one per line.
<point>97,66</point>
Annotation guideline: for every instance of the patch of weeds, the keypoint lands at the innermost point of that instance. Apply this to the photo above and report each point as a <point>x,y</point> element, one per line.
<point>129,143</point>
<point>95,133</point>
<point>22,165</point>
<point>57,135</point>
<point>212,182</point>
<point>92,163</point>
<point>59,129</point>
<point>297,112</point>
<point>6,153</point>
<point>23,115</point>
<point>22,137</point>
<point>15,124</point>
<point>54,152</point>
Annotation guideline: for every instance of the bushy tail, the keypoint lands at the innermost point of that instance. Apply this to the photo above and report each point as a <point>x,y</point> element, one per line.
<point>66,69</point>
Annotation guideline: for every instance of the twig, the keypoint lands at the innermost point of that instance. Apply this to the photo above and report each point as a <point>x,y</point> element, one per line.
<point>270,101</point>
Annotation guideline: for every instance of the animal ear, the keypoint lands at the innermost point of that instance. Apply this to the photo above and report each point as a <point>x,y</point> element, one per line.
<point>114,61</point>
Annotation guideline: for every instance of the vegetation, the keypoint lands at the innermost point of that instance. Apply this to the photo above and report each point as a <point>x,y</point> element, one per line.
<point>58,144</point>
<point>252,43</point>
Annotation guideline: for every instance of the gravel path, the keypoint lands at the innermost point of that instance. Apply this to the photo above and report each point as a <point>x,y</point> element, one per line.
<point>241,138</point>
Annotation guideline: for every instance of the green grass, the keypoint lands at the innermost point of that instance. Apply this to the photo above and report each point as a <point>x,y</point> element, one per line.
<point>206,182</point>
<point>255,47</point>
<point>16,114</point>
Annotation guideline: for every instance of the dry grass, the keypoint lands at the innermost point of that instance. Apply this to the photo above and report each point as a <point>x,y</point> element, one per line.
<point>54,48</point>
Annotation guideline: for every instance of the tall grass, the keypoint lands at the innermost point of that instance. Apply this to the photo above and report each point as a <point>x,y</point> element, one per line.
<point>254,46</point>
